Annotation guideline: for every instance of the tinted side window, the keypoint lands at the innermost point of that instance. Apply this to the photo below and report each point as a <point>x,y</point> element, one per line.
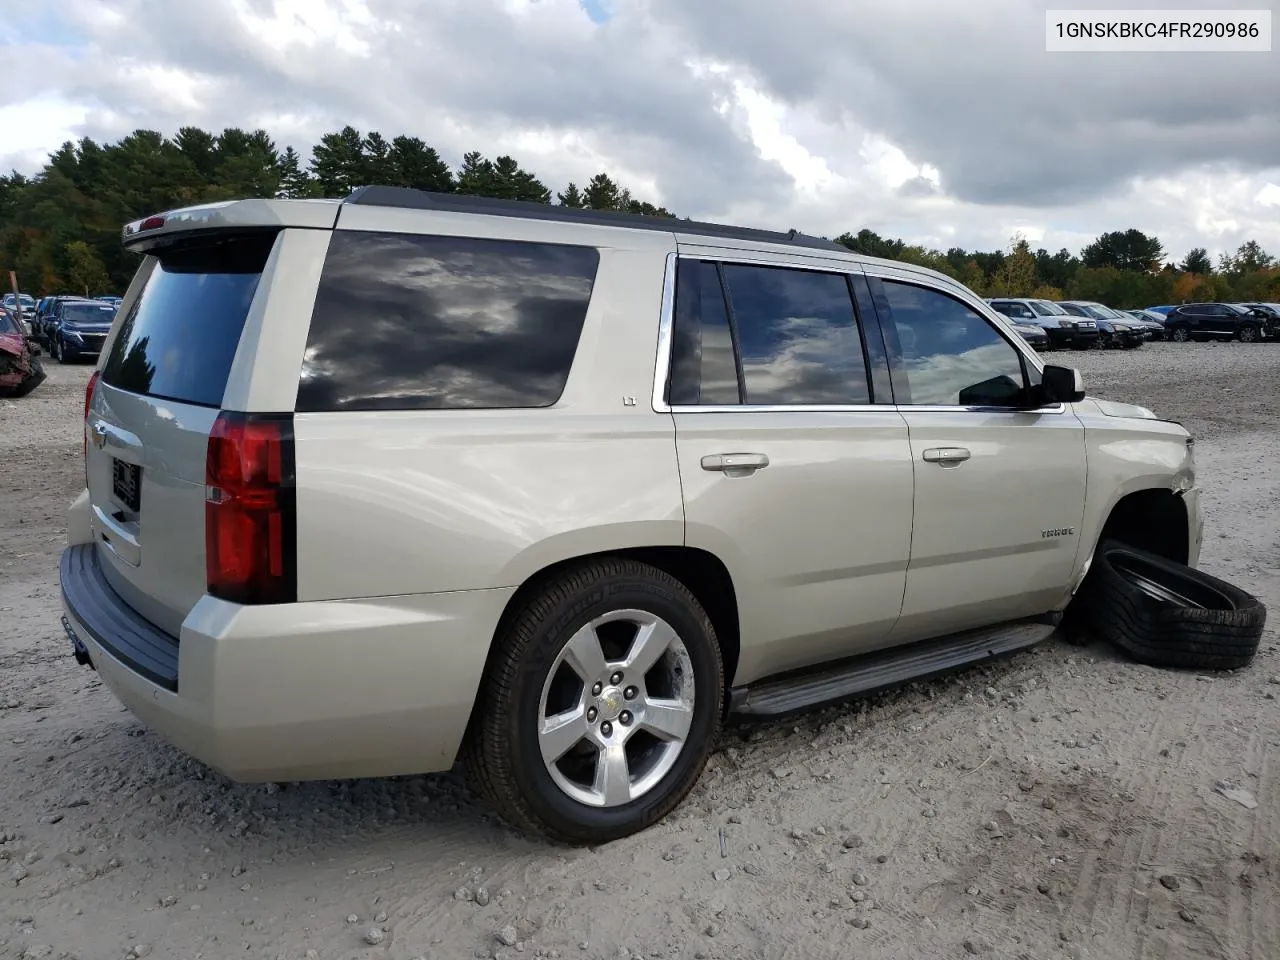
<point>704,368</point>
<point>797,336</point>
<point>430,322</point>
<point>951,354</point>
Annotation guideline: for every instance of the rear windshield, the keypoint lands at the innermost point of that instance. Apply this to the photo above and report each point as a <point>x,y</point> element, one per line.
<point>180,336</point>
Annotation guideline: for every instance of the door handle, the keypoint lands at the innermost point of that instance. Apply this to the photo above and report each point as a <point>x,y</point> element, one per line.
<point>946,455</point>
<point>735,464</point>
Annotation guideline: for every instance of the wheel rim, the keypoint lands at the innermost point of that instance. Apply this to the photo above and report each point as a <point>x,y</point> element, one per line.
<point>1180,335</point>
<point>616,708</point>
<point>1247,335</point>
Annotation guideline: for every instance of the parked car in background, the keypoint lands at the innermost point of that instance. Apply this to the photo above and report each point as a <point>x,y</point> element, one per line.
<point>1217,321</point>
<point>78,329</point>
<point>23,304</point>
<point>1162,310</point>
<point>43,320</point>
<point>1152,323</point>
<point>1115,331</point>
<point>20,368</point>
<point>111,299</point>
<point>1033,333</point>
<point>1272,312</point>
<point>1062,329</point>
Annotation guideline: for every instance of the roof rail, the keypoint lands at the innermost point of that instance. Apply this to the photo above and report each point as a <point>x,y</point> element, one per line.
<point>408,198</point>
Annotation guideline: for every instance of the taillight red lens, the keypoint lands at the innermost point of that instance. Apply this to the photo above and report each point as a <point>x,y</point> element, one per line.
<point>88,402</point>
<point>250,554</point>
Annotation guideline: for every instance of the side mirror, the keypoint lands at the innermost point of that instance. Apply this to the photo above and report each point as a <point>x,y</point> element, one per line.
<point>1062,384</point>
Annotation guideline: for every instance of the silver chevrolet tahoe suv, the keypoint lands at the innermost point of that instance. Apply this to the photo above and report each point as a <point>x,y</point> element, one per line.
<point>380,485</point>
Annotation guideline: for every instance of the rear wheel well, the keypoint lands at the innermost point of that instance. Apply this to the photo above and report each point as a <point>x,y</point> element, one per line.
<point>705,576</point>
<point>1152,520</point>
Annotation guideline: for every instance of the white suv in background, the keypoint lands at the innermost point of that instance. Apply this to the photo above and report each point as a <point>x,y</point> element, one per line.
<point>379,484</point>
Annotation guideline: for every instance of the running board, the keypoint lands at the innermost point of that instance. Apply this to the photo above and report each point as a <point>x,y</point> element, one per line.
<point>796,691</point>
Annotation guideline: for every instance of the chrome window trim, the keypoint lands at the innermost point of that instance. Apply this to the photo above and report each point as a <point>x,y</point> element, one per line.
<point>782,408</point>
<point>662,363</point>
<point>666,323</point>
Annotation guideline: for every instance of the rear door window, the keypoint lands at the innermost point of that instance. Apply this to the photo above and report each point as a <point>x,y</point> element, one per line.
<point>180,336</point>
<point>798,340</point>
<point>412,322</point>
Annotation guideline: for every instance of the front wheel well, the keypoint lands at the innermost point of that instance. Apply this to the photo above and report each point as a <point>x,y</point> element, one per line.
<point>1152,520</point>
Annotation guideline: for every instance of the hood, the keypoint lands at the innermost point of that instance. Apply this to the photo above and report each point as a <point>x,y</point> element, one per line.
<point>1112,408</point>
<point>13,343</point>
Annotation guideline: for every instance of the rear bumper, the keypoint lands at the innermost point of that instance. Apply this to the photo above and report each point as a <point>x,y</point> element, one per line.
<point>302,691</point>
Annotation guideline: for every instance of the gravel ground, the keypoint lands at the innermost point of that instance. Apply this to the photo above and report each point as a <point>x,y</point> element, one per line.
<point>1060,803</point>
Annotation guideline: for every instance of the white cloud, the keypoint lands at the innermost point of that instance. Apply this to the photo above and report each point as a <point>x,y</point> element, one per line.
<point>32,129</point>
<point>912,119</point>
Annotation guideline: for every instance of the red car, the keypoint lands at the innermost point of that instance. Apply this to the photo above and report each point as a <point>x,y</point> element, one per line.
<point>20,368</point>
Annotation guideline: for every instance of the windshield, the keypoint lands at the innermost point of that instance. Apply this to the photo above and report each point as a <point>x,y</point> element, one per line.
<point>87,313</point>
<point>1099,312</point>
<point>8,324</point>
<point>1047,308</point>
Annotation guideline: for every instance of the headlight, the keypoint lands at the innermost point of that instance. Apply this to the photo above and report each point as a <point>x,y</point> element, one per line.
<point>1066,323</point>
<point>1120,328</point>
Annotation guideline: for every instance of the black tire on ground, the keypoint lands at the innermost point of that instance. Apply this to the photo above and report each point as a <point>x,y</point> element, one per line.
<point>1166,614</point>
<point>501,751</point>
<point>1179,333</point>
<point>1248,333</point>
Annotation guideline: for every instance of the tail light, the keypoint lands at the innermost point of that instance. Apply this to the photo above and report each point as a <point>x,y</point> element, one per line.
<point>250,514</point>
<point>88,402</point>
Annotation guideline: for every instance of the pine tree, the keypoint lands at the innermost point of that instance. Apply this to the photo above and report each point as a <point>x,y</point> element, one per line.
<point>295,183</point>
<point>571,197</point>
<point>416,165</point>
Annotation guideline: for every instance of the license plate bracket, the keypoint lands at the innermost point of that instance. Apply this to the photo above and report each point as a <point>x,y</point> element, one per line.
<point>126,483</point>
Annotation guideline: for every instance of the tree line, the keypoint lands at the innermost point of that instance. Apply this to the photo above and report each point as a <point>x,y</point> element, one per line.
<point>60,229</point>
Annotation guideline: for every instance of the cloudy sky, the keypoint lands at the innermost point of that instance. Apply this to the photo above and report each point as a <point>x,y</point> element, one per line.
<point>942,122</point>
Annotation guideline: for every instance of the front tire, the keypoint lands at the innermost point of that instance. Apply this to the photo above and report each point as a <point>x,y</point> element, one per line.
<point>1180,334</point>
<point>601,705</point>
<point>1166,614</point>
<point>1248,333</point>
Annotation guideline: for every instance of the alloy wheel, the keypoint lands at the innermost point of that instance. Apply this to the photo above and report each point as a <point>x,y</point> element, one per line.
<point>616,708</point>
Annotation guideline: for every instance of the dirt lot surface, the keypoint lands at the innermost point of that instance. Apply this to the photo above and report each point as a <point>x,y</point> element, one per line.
<point>1058,804</point>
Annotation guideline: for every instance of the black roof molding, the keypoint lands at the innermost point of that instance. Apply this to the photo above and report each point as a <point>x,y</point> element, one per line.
<point>410,199</point>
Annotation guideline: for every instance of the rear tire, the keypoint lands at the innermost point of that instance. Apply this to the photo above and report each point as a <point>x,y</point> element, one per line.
<point>1248,333</point>
<point>1166,614</point>
<point>565,653</point>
